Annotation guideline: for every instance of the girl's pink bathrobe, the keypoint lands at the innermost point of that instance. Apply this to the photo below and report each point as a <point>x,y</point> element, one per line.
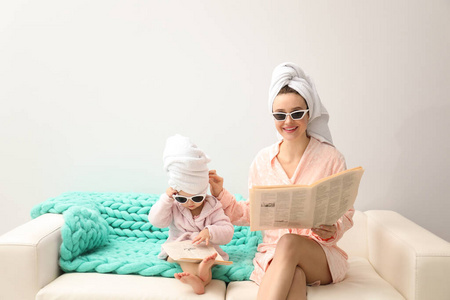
<point>182,226</point>
<point>318,161</point>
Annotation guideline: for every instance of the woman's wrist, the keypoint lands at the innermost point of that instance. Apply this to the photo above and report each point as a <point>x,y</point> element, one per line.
<point>220,194</point>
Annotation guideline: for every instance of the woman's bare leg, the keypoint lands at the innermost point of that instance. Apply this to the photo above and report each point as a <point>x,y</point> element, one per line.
<point>294,251</point>
<point>298,286</point>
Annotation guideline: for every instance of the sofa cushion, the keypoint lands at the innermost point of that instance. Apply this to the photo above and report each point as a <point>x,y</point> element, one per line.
<point>361,282</point>
<point>95,286</point>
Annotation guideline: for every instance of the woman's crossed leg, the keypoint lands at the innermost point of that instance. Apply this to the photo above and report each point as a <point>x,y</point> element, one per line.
<point>298,261</point>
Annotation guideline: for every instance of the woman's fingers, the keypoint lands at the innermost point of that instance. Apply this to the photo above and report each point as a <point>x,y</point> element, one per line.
<point>215,178</point>
<point>216,183</point>
<point>213,175</point>
<point>329,228</point>
<point>325,231</point>
<point>326,228</point>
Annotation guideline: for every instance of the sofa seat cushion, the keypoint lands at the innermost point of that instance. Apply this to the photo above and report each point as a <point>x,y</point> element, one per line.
<point>95,286</point>
<point>361,282</point>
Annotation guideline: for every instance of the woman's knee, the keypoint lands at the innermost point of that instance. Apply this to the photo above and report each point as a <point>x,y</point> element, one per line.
<point>291,239</point>
<point>289,244</point>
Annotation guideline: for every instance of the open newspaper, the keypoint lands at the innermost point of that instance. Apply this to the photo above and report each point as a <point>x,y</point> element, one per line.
<point>304,206</point>
<point>188,252</point>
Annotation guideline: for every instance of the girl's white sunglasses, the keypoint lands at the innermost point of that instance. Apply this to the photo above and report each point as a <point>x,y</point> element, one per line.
<point>295,115</point>
<point>196,198</point>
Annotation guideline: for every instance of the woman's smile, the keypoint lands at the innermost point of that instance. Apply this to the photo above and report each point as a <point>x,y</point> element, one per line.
<point>290,129</point>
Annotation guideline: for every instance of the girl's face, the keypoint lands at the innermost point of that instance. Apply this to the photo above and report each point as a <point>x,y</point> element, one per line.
<point>290,129</point>
<point>191,204</point>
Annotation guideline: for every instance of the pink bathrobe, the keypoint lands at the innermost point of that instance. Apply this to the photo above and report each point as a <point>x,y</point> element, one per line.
<point>318,161</point>
<point>182,226</point>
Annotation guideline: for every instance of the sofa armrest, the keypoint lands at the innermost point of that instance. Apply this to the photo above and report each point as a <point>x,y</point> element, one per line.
<point>415,261</point>
<point>29,256</point>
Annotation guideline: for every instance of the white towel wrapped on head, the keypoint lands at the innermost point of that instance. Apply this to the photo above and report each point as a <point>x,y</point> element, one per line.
<point>291,75</point>
<point>186,165</point>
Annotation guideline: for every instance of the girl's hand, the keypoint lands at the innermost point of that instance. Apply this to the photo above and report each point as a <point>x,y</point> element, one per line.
<point>325,231</point>
<point>170,192</point>
<point>215,182</point>
<point>202,236</point>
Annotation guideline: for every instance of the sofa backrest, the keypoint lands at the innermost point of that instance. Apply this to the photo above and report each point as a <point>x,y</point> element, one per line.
<point>354,241</point>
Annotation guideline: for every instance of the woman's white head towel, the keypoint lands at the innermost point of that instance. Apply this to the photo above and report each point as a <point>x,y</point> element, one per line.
<point>186,165</point>
<point>291,75</point>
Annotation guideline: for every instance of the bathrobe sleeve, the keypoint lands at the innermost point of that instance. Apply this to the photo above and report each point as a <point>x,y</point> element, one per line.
<point>161,213</point>
<point>221,230</point>
<point>237,211</point>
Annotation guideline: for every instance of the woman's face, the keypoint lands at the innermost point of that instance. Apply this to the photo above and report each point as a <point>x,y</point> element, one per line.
<point>289,129</point>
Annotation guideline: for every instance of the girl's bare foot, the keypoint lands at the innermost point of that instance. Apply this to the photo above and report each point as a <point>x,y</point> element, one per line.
<point>204,268</point>
<point>195,282</point>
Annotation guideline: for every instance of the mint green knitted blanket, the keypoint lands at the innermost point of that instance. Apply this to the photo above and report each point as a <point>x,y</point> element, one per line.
<point>110,233</point>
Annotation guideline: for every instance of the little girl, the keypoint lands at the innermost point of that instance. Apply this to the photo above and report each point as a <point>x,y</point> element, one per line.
<point>189,212</point>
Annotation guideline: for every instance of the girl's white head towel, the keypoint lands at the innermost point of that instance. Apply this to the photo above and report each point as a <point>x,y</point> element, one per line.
<point>186,165</point>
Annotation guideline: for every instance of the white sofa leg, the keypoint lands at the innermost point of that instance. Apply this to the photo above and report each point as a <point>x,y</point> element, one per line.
<point>29,256</point>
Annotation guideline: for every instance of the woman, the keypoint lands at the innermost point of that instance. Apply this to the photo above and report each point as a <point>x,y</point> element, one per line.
<point>290,259</point>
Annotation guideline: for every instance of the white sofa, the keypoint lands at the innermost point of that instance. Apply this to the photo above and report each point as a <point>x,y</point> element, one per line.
<point>390,258</point>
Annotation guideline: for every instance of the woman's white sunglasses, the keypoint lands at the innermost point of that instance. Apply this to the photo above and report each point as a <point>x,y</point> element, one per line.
<point>295,115</point>
<point>196,198</point>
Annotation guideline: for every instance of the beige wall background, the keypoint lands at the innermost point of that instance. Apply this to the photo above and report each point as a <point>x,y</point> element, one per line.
<point>90,90</point>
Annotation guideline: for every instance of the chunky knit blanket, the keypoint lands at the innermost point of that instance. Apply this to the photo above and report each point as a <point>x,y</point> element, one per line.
<point>110,233</point>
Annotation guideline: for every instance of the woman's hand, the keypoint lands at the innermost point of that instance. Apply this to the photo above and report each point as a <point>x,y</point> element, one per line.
<point>325,231</point>
<point>170,192</point>
<point>215,182</point>
<point>202,236</point>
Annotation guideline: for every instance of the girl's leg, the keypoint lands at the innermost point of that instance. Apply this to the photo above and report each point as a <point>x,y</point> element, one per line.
<point>197,275</point>
<point>193,280</point>
<point>294,251</point>
<point>204,268</point>
<point>189,276</point>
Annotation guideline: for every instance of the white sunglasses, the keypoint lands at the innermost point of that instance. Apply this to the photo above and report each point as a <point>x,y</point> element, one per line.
<point>196,198</point>
<point>295,115</point>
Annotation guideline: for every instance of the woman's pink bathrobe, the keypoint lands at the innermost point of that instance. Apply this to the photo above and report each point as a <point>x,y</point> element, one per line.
<point>182,226</point>
<point>318,161</point>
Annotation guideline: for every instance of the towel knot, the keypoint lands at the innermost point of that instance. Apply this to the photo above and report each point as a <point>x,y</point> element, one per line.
<point>186,165</point>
